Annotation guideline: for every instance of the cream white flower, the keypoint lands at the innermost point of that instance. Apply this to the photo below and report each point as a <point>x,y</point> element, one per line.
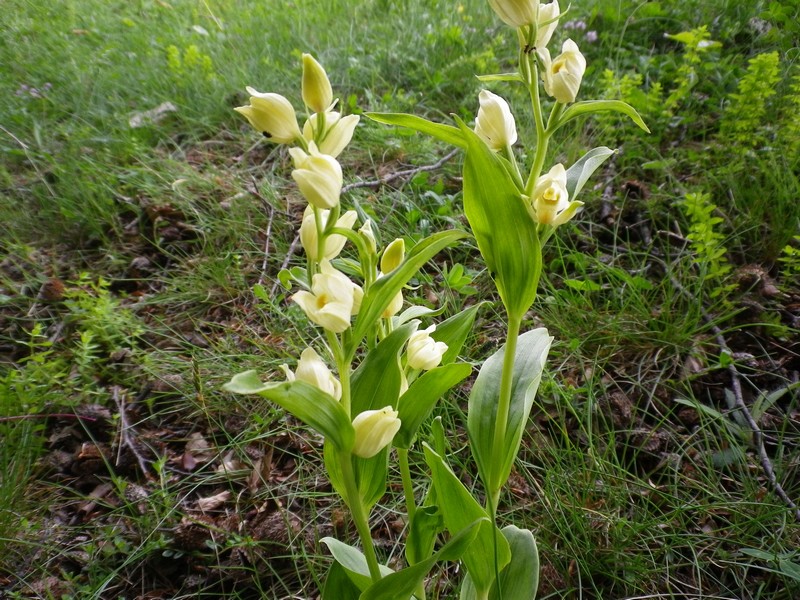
<point>495,124</point>
<point>333,243</point>
<point>547,12</point>
<point>317,92</point>
<point>273,115</point>
<point>333,299</point>
<point>516,13</point>
<point>550,202</point>
<point>312,369</point>
<point>375,429</point>
<point>423,351</point>
<point>338,132</point>
<point>562,77</point>
<point>318,176</point>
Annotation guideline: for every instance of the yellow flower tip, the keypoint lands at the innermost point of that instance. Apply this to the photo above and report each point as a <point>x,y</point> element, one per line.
<point>317,92</point>
<point>393,255</point>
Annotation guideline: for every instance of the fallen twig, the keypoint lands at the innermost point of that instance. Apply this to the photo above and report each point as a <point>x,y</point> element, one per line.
<point>125,437</point>
<point>758,435</point>
<point>398,174</point>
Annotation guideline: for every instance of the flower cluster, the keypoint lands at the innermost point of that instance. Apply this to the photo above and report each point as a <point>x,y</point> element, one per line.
<point>329,298</point>
<point>549,202</point>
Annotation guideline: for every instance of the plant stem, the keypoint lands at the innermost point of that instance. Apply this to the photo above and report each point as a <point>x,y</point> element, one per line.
<point>408,488</point>
<point>503,407</point>
<point>542,136</point>
<point>353,500</point>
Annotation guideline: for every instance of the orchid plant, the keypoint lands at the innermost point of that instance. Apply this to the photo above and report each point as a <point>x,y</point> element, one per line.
<point>377,403</point>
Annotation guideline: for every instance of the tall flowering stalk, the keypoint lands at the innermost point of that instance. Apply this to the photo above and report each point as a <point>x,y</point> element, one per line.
<point>512,211</point>
<point>366,407</point>
<point>362,408</point>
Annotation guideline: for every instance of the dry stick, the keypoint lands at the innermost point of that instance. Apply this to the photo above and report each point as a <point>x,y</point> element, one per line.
<point>271,210</point>
<point>125,426</point>
<point>758,435</point>
<point>407,173</point>
<point>360,184</point>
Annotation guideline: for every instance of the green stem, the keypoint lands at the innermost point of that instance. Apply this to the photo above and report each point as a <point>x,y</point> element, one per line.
<point>408,488</point>
<point>353,500</point>
<point>542,136</point>
<point>503,408</point>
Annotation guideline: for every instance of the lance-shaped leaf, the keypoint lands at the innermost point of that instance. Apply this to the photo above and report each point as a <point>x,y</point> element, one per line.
<point>445,133</point>
<point>418,401</point>
<point>520,579</point>
<point>578,174</point>
<point>354,562</point>
<point>505,232</point>
<point>460,510</point>
<point>532,348</point>
<point>311,405</point>
<point>589,107</point>
<point>402,584</point>
<point>384,290</point>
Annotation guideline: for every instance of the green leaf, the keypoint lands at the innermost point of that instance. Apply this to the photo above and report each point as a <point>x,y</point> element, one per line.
<point>500,77</point>
<point>505,232</point>
<point>460,510</point>
<point>531,352</point>
<point>353,562</point>
<point>376,381</point>
<point>454,332</point>
<point>579,173</point>
<point>338,585</point>
<point>426,524</point>
<point>417,312</point>
<point>589,107</point>
<point>311,405</point>
<point>402,584</point>
<point>445,133</point>
<point>384,290</point>
<point>520,579</point>
<point>420,398</point>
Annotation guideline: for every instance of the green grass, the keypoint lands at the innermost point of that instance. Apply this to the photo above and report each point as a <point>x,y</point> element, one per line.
<point>158,235</point>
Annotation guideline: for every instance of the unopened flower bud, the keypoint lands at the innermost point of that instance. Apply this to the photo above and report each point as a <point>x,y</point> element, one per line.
<point>272,115</point>
<point>516,13</point>
<point>423,351</point>
<point>317,93</point>
<point>548,21</point>
<point>375,429</point>
<point>393,256</point>
<point>368,235</point>
<point>495,124</point>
